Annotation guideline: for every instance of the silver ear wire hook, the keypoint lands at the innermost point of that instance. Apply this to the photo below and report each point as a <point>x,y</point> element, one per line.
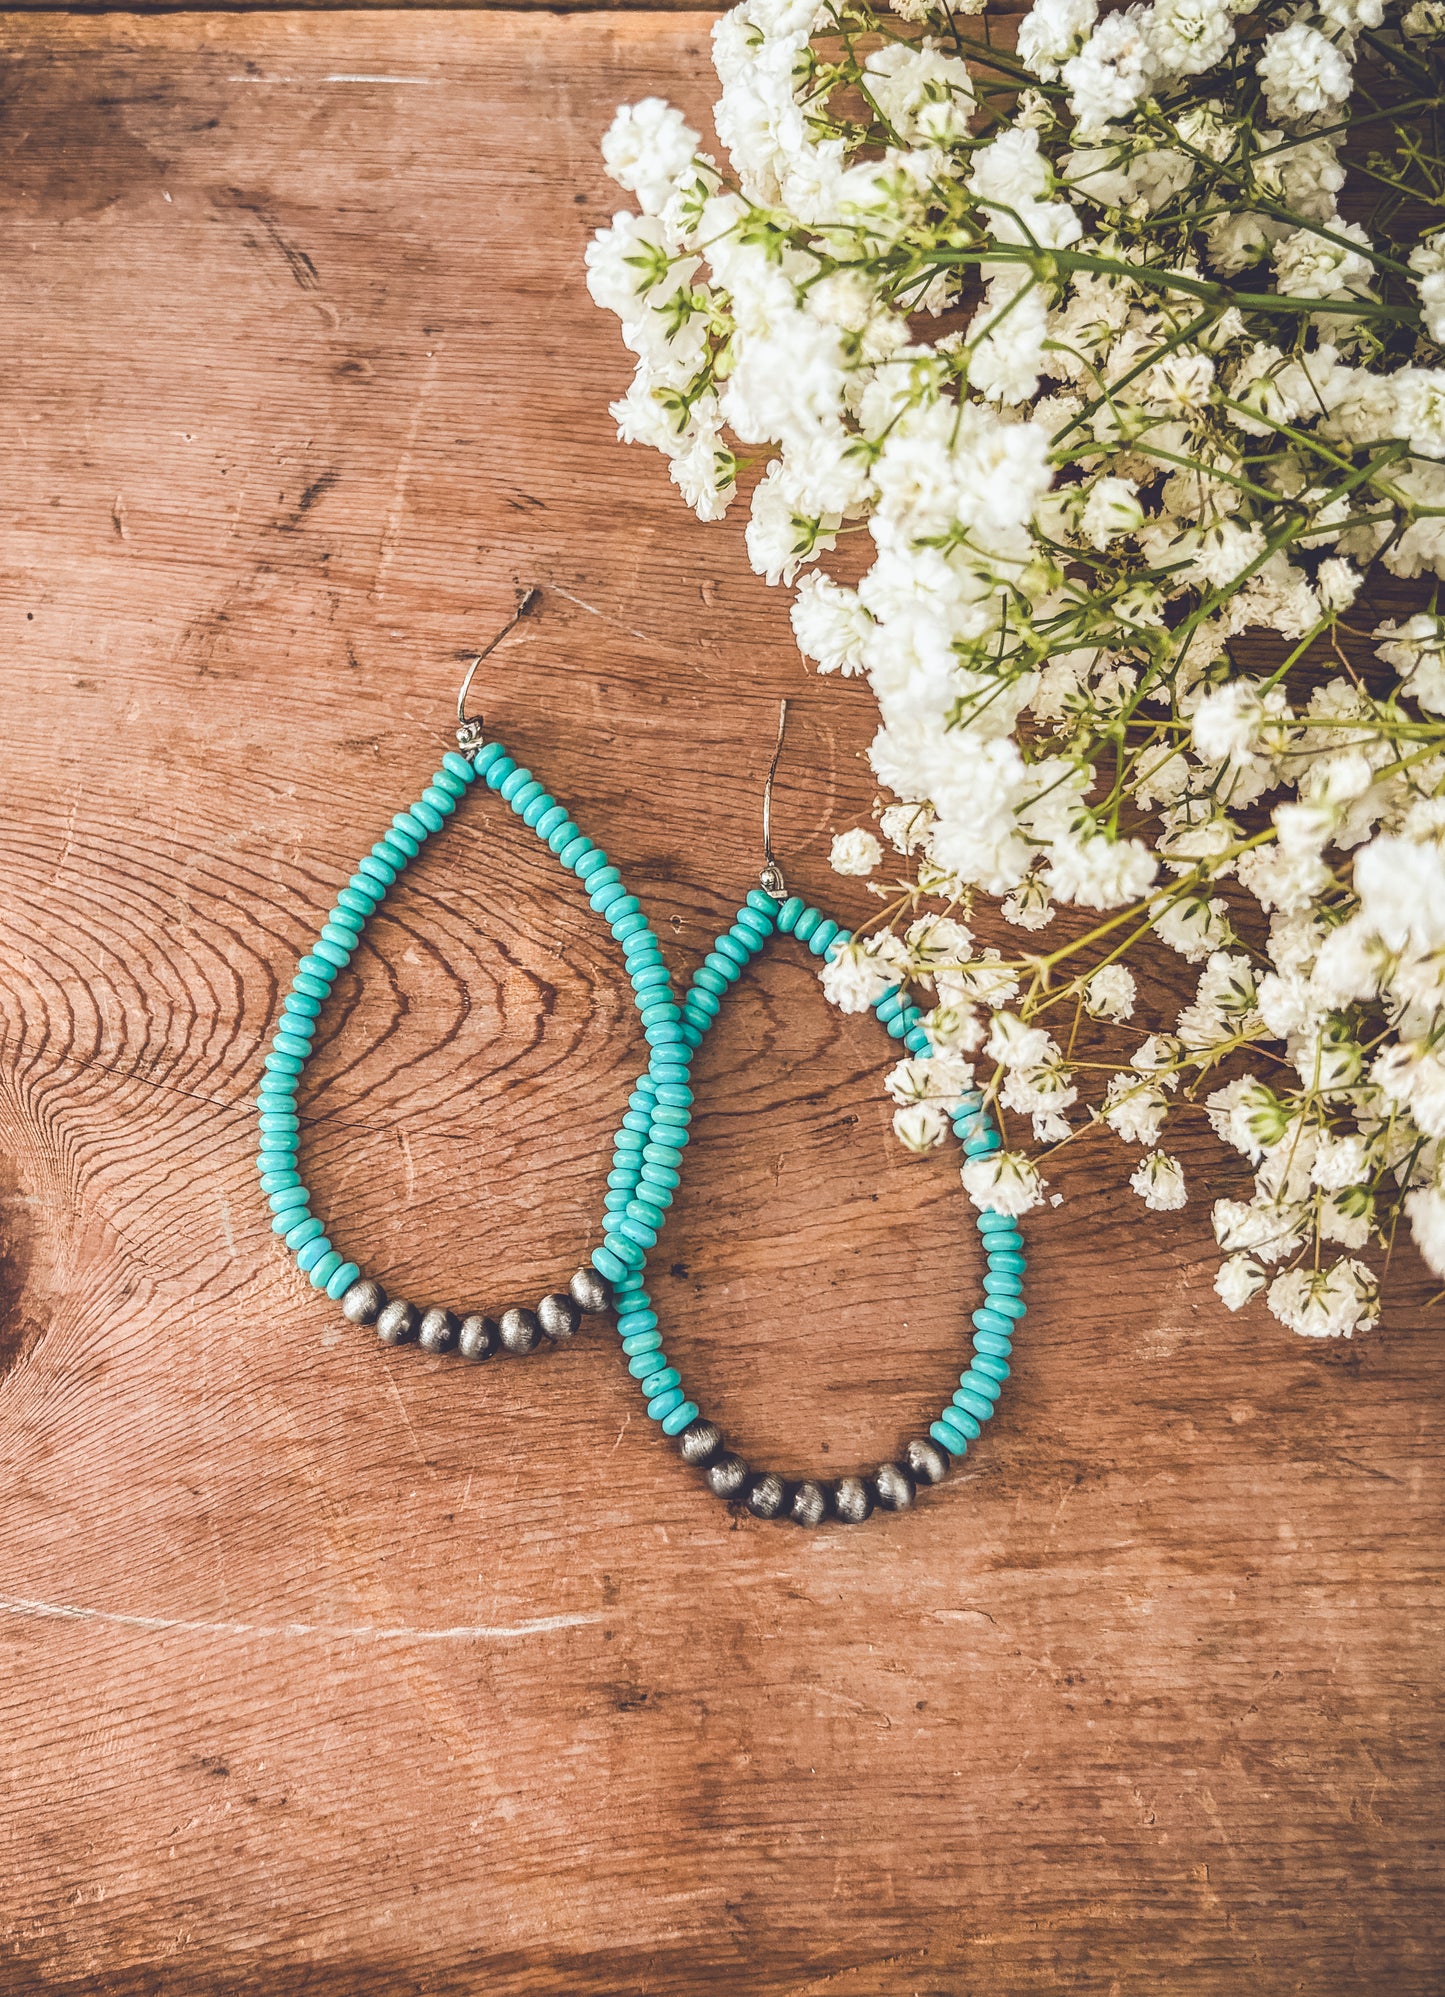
<point>771,878</point>
<point>469,729</point>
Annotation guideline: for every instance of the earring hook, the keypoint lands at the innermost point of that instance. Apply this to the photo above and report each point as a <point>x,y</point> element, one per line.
<point>771,878</point>
<point>469,729</point>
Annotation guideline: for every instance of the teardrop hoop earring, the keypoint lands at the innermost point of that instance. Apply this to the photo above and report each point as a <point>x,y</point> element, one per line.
<point>473,1334</point>
<point>646,1172</point>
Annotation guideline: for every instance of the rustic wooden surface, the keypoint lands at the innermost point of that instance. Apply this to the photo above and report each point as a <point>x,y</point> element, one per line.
<point>335,1670</point>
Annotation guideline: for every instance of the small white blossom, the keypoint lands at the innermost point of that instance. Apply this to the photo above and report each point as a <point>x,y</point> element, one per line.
<point>1239,1279</point>
<point>1111,992</point>
<point>1004,1182</point>
<point>1326,1303</point>
<point>1158,1179</point>
<point>855,852</point>
<point>920,1127</point>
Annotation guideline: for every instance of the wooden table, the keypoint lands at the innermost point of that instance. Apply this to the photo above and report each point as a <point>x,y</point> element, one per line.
<point>333,1669</point>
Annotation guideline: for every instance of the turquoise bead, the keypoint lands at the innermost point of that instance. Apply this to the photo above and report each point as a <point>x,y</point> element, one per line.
<point>1009,1307</point>
<point>375,868</point>
<point>517,778</point>
<point>618,911</point>
<point>322,1270</point>
<point>311,1252</point>
<point>355,902</point>
<point>843,937</point>
<point>821,937</point>
<point>341,1281</point>
<point>283,1064</point>
<point>748,923</point>
<point>280,1182</point>
<point>996,1343</point>
<point>658,1153</point>
<point>306,1230</point>
<point>1007,1264</point>
<point>973,1404</point>
<point>726,968</point>
<point>989,1222</point>
<point>642,1342</point>
<point>541,807</point>
<point>733,951</point>
<point>675,1092</point>
<point>643,1364</point>
<point>464,771</point>
<point>449,784</point>
<point>634,1230</point>
<point>398,837</point>
<point>587,867</point>
<point>441,797</point>
<point>974,1382</point>
<point>496,773</point>
<point>574,850</point>
<point>650,974</point>
<point>952,1437</point>
<point>681,1417</point>
<point>675,1115</point>
<point>989,1319</point>
<point>616,1202</point>
<point>982,1143</point>
<point>917,1041</point>
<point>423,814</point>
<point>282,1223</point>
<point>609,1265</point>
<point>705,979</point>
<point>890,1005</point>
<point>646,1215</point>
<point>301,1004</point>
<point>658,1383</point>
<point>342,928</point>
<point>630,1322</point>
<point>665,1403</point>
<point>318,968</point>
<point>335,954</point>
<point>764,904</point>
<point>630,930</point>
<point>292,1043</point>
<point>525,794</point>
<point>657,1010</point>
<point>309,987</point>
<point>963,1421</point>
<point>655,1174</point>
<point>788,914</point>
<point>998,1283</point>
<point>991,1365</point>
<point>629,1253</point>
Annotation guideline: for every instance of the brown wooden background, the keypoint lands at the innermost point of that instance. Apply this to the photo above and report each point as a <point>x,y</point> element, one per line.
<point>334,1670</point>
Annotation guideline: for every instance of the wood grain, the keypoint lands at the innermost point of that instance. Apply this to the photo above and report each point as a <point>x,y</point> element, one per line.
<point>337,1670</point>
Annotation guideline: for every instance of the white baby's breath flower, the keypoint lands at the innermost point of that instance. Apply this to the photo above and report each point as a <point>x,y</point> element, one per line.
<point>1111,992</point>
<point>920,1127</point>
<point>1004,1182</point>
<point>1326,1303</point>
<point>855,979</point>
<point>1158,1179</point>
<point>855,852</point>
<point>1239,1280</point>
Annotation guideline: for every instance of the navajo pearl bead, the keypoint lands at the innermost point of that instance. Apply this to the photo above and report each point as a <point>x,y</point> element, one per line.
<point>700,1442</point>
<point>364,1301</point>
<point>894,1487</point>
<point>925,1461</point>
<point>520,1331</point>
<point>397,1322</point>
<point>437,1330</point>
<point>558,1315</point>
<point>727,1475</point>
<point>477,1338</point>
<point>810,1504</point>
<point>767,1495</point>
<point>852,1500</point>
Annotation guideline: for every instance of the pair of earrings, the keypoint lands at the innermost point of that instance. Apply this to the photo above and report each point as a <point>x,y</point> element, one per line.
<point>648,1149</point>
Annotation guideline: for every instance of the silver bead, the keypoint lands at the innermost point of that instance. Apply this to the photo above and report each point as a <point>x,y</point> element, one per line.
<point>590,1291</point>
<point>558,1315</point>
<point>727,1476</point>
<point>364,1302</point>
<point>699,1442</point>
<point>810,1504</point>
<point>852,1500</point>
<point>437,1330</point>
<point>894,1487</point>
<point>767,1495</point>
<point>926,1462</point>
<point>520,1330</point>
<point>397,1323</point>
<point>477,1338</point>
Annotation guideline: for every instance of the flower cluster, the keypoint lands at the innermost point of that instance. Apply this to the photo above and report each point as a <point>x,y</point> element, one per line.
<point>1136,421</point>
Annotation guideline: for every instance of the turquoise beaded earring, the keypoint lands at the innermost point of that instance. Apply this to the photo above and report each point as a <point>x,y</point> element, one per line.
<point>646,1171</point>
<point>474,1335</point>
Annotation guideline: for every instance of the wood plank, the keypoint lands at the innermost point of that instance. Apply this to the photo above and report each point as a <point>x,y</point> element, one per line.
<point>349,1671</point>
